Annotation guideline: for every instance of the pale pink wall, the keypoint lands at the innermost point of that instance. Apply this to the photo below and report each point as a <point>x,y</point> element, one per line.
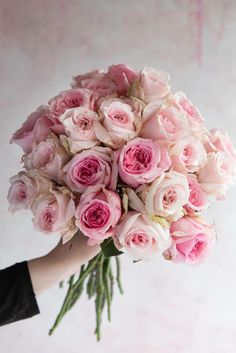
<point>166,308</point>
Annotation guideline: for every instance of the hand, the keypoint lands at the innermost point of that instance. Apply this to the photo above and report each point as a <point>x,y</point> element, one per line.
<point>60,263</point>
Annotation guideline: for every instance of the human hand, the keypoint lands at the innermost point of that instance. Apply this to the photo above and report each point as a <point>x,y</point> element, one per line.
<point>60,263</point>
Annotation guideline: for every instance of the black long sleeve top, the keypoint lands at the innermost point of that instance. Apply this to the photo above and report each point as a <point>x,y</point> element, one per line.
<point>17,298</point>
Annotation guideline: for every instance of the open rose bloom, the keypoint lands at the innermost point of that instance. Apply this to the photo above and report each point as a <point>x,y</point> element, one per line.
<point>124,161</point>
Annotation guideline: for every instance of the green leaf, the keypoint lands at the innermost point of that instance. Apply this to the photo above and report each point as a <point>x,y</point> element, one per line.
<point>109,249</point>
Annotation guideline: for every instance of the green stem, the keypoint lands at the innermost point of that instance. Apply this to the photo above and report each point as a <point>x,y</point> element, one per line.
<point>106,287</point>
<point>74,292</point>
<point>99,298</point>
<point>111,280</point>
<point>64,305</point>
<point>100,282</point>
<point>91,285</point>
<point>91,265</point>
<point>118,280</point>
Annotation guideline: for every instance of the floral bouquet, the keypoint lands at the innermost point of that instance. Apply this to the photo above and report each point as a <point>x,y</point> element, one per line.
<point>127,162</point>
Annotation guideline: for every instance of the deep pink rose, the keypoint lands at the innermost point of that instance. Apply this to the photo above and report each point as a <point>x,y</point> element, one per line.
<point>48,157</point>
<point>98,213</point>
<point>91,167</point>
<point>151,85</point>
<point>35,129</point>
<point>197,199</point>
<point>54,212</point>
<point>141,161</point>
<point>188,155</point>
<point>123,77</point>
<point>24,188</point>
<point>141,238</point>
<point>71,98</point>
<point>192,239</point>
<point>166,125</point>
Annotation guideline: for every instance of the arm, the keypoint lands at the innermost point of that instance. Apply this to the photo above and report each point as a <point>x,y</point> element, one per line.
<point>22,281</point>
<point>60,263</point>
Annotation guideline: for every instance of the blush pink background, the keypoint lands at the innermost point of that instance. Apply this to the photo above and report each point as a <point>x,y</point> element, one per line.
<point>166,308</point>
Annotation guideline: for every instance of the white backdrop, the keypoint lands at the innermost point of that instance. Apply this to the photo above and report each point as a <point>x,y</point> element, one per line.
<point>166,308</point>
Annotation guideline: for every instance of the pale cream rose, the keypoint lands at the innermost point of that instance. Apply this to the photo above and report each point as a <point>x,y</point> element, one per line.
<point>141,238</point>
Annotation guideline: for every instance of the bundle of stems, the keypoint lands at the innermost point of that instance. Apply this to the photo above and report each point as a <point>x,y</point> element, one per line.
<point>98,279</point>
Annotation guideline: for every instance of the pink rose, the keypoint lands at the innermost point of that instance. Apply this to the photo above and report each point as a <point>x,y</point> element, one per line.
<point>151,85</point>
<point>219,141</point>
<point>81,80</point>
<point>98,213</point>
<point>35,129</point>
<point>97,82</point>
<point>54,212</point>
<point>184,104</point>
<point>91,167</point>
<point>167,195</point>
<point>48,157</point>
<point>141,238</point>
<point>218,174</point>
<point>192,239</point>
<point>167,125</point>
<point>123,77</point>
<point>195,119</point>
<point>119,121</point>
<point>80,129</point>
<point>136,104</point>
<point>71,98</point>
<point>197,199</point>
<point>141,161</point>
<point>24,188</point>
<point>188,155</point>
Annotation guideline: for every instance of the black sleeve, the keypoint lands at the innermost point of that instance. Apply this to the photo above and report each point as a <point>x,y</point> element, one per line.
<point>17,298</point>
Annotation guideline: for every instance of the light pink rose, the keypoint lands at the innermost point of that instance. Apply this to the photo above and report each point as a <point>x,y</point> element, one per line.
<point>71,98</point>
<point>195,119</point>
<point>184,104</point>
<point>166,125</point>
<point>123,77</point>
<point>167,195</point>
<point>141,161</point>
<point>151,85</point>
<point>48,157</point>
<point>219,141</point>
<point>91,167</point>
<point>98,213</point>
<point>136,104</point>
<point>188,155</point>
<point>80,129</point>
<point>192,239</point>
<point>24,188</point>
<point>141,238</point>
<point>119,121</point>
<point>54,212</point>
<point>197,199</point>
<point>97,82</point>
<point>218,174</point>
<point>35,129</point>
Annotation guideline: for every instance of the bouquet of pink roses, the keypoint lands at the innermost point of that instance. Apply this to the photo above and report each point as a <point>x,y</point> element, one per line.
<point>127,162</point>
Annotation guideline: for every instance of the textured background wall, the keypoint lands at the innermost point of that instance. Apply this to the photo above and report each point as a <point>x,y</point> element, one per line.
<point>166,308</point>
